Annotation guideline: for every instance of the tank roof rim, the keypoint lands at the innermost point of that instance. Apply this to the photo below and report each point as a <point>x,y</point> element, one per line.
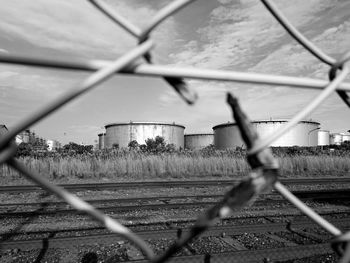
<point>195,134</point>
<point>143,122</point>
<point>263,121</point>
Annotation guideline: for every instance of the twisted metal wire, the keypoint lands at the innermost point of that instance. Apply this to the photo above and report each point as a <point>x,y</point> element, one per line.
<point>265,171</point>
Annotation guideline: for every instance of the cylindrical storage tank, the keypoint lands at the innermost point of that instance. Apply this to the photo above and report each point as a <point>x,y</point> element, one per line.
<point>345,137</point>
<point>198,141</point>
<point>122,133</point>
<point>227,135</point>
<point>335,138</point>
<point>101,141</point>
<point>323,137</point>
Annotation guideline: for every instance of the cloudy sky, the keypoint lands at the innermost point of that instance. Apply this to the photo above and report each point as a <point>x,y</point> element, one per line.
<point>222,34</point>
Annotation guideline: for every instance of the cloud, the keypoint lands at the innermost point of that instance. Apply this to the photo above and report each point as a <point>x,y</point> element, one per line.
<point>241,33</point>
<point>67,25</point>
<point>77,26</point>
<point>244,36</point>
<point>85,128</point>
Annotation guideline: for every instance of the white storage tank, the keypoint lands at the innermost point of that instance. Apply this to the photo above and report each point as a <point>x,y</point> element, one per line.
<point>335,139</point>
<point>198,141</point>
<point>345,137</point>
<point>227,135</point>
<point>323,137</point>
<point>122,133</point>
<point>101,141</point>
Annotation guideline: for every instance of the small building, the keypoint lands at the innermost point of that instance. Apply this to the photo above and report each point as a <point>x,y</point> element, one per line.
<point>53,145</point>
<point>198,141</point>
<point>101,141</point>
<point>335,138</point>
<point>345,137</point>
<point>323,137</point>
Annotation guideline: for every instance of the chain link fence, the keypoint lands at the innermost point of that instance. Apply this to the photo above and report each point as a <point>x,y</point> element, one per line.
<point>138,61</point>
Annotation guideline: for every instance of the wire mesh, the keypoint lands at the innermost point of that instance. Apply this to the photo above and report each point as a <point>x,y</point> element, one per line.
<point>264,175</point>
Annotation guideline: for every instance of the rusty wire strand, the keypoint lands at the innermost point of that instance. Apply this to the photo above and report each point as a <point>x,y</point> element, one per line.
<point>186,72</point>
<point>307,44</point>
<point>333,72</point>
<point>8,152</point>
<point>296,34</point>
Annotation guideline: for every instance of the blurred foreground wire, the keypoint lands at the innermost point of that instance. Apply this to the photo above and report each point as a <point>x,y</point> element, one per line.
<point>264,174</point>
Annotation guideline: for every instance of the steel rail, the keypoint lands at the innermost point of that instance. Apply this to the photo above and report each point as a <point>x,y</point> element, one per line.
<point>324,194</point>
<point>169,233</point>
<point>172,223</point>
<point>161,206</point>
<point>80,205</point>
<point>170,71</point>
<point>88,238</point>
<point>306,210</point>
<point>170,184</point>
<point>262,255</point>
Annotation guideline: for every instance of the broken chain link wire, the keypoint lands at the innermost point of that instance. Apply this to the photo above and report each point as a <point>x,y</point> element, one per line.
<point>265,168</point>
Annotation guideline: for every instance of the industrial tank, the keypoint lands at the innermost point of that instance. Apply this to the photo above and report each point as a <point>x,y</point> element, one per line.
<point>227,135</point>
<point>101,141</point>
<point>198,141</point>
<point>323,137</point>
<point>122,133</point>
<point>345,137</point>
<point>336,138</point>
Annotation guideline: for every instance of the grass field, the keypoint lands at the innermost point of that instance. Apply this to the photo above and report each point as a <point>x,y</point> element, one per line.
<point>170,166</point>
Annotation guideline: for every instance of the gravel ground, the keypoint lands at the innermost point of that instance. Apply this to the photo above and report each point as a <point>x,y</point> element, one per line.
<point>210,245</point>
<point>296,238</point>
<point>145,192</point>
<point>106,253</point>
<point>145,217</point>
<point>320,232</point>
<point>179,219</point>
<point>328,258</point>
<point>160,245</point>
<point>18,256</point>
<point>257,241</point>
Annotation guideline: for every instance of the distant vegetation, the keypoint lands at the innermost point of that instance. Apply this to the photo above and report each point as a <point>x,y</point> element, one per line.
<point>40,149</point>
<point>156,159</point>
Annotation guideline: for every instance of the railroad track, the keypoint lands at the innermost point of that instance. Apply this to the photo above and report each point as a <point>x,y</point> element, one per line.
<point>226,233</point>
<point>166,184</point>
<point>263,255</point>
<point>149,222</point>
<point>180,201</point>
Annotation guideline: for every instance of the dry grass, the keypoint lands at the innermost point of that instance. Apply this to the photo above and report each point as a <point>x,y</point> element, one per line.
<point>148,167</point>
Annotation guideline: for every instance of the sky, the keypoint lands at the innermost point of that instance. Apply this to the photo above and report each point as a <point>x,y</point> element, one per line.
<point>209,34</point>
